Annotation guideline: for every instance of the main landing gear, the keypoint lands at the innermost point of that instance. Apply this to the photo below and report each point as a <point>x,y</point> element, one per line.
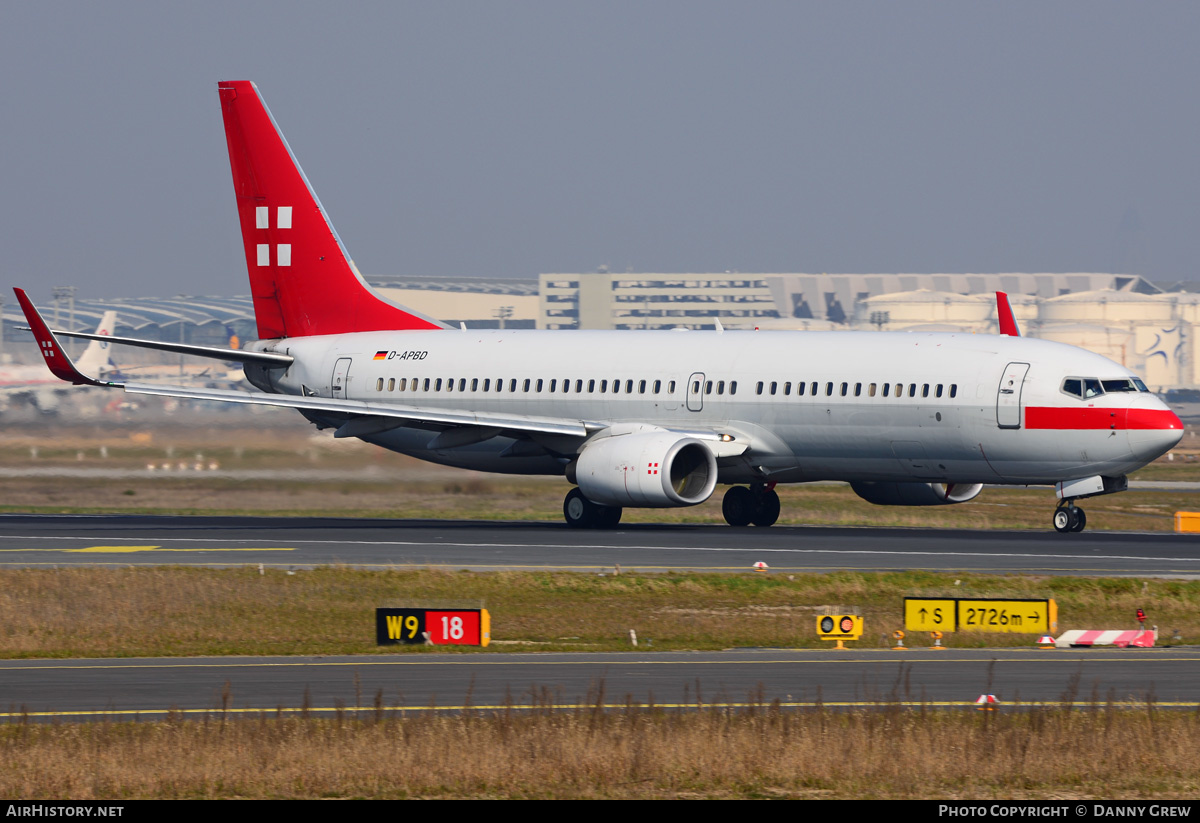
<point>757,504</point>
<point>1069,518</point>
<point>581,513</point>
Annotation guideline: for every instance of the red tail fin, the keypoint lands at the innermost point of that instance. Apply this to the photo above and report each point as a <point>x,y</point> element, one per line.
<point>302,280</point>
<point>1004,314</point>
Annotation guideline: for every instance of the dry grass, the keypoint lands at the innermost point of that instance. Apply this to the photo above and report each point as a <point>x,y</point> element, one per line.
<point>173,611</point>
<point>760,752</point>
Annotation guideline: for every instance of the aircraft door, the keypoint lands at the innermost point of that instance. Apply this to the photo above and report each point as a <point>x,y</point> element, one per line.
<point>340,382</point>
<point>1008,400</point>
<point>695,391</point>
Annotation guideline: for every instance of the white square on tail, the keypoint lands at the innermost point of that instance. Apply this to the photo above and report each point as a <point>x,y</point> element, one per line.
<point>283,254</point>
<point>264,254</point>
<point>261,218</point>
<point>283,219</point>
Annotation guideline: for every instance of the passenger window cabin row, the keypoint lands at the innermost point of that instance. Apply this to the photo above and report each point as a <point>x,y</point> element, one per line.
<point>845,389</point>
<point>526,385</point>
<point>655,387</point>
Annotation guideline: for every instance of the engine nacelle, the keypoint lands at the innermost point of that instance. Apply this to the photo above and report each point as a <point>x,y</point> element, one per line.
<point>46,401</point>
<point>652,468</point>
<point>916,494</point>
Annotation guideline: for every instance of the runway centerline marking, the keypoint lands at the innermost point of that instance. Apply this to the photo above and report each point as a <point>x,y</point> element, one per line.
<point>135,549</point>
<point>1073,659</point>
<point>113,549</point>
<point>739,549</point>
<point>506,707</point>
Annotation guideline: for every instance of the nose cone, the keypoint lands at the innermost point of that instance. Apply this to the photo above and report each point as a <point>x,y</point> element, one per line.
<point>1153,432</point>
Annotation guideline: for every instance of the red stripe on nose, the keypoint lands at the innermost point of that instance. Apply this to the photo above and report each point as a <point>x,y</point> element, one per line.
<point>1159,419</point>
<point>1040,417</point>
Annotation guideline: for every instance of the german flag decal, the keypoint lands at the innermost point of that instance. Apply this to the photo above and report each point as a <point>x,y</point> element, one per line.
<point>380,355</point>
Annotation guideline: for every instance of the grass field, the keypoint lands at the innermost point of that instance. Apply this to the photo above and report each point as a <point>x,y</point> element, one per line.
<point>172,611</point>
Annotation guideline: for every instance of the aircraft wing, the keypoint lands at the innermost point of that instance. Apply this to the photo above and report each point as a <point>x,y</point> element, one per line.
<point>376,411</point>
<point>376,414</point>
<point>362,418</point>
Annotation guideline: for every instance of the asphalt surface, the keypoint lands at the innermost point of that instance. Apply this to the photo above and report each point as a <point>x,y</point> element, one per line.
<point>60,540</point>
<point>419,682</point>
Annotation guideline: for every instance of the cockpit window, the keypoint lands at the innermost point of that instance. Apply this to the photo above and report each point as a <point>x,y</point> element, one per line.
<point>1086,388</point>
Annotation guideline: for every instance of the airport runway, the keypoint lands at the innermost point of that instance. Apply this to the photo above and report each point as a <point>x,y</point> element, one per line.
<point>60,540</point>
<point>417,682</point>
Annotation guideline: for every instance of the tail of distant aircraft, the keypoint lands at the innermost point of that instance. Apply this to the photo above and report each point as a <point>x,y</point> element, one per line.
<point>1005,317</point>
<point>301,277</point>
<point>96,357</point>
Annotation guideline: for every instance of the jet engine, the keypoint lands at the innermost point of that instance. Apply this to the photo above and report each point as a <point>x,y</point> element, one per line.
<point>916,494</point>
<point>46,401</point>
<point>651,468</point>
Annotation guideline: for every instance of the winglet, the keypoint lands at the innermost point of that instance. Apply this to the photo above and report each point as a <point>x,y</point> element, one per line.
<point>1004,314</point>
<point>52,350</point>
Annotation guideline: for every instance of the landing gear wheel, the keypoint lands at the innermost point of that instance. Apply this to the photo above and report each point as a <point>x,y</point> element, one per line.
<point>1069,519</point>
<point>766,509</point>
<point>1062,520</point>
<point>607,517</point>
<point>1081,521</point>
<point>738,506</point>
<point>579,512</point>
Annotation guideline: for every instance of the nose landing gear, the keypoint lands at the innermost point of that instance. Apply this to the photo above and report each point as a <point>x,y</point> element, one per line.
<point>1069,518</point>
<point>758,504</point>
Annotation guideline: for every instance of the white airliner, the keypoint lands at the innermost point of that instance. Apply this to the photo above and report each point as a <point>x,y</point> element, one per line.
<point>654,418</point>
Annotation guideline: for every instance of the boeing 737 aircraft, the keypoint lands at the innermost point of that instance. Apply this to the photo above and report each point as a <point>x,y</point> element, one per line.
<point>654,418</point>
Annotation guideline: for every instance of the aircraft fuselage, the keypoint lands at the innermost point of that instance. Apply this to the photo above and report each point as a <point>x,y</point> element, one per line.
<point>870,406</point>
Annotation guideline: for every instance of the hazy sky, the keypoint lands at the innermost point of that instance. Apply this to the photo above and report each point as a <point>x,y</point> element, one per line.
<point>512,138</point>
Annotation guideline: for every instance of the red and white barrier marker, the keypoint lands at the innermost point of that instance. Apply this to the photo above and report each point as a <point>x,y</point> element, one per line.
<point>760,566</point>
<point>1140,638</point>
<point>987,702</point>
